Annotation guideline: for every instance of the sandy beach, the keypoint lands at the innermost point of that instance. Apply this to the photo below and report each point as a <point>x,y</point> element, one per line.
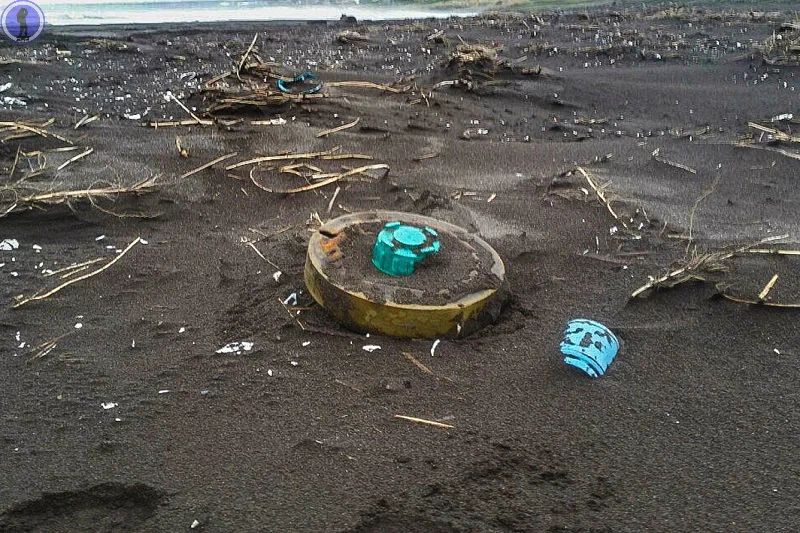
<point>598,152</point>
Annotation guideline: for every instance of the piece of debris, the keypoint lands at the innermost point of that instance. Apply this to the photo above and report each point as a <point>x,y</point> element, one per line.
<point>236,347</point>
<point>698,266</point>
<point>42,296</point>
<point>351,36</point>
<point>370,347</point>
<point>589,346</point>
<point>423,421</point>
<point>9,244</point>
<point>433,348</point>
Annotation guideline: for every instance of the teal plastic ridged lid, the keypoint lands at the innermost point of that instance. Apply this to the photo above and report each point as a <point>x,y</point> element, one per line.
<point>399,248</point>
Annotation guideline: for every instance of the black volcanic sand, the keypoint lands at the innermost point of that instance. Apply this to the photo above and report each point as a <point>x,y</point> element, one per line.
<point>693,428</point>
<point>457,270</point>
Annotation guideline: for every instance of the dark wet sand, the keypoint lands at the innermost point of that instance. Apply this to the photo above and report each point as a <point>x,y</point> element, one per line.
<point>694,428</point>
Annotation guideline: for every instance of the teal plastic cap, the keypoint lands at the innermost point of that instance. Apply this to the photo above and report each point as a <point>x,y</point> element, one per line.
<point>399,248</point>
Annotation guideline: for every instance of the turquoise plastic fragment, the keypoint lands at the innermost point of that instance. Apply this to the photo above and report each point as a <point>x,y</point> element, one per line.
<point>399,248</point>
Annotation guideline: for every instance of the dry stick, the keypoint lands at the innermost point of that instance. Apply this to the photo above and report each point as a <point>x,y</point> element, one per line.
<point>270,122</point>
<point>417,363</point>
<point>671,163</point>
<point>14,166</point>
<point>37,153</point>
<point>73,272</point>
<point>324,182</point>
<point>757,302</point>
<point>244,57</point>
<point>265,236</point>
<point>702,197</point>
<point>774,252</point>
<point>675,273</point>
<point>364,84</point>
<point>349,386</point>
<point>189,111</point>
<point>339,128</point>
<point>51,292</point>
<point>73,159</point>
<point>781,151</point>
<point>423,421</point>
<point>778,134</point>
<point>346,156</point>
<point>293,168</point>
<point>72,267</point>
<point>253,246</point>
<point>37,131</point>
<point>601,195</point>
<point>60,196</point>
<point>282,157</point>
<point>768,287</point>
<point>86,119</point>
<point>291,315</point>
<point>175,123</point>
<point>209,164</point>
<point>46,348</point>
<point>333,198</point>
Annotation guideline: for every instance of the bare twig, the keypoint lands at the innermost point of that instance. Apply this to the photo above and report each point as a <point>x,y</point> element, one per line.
<point>722,292</point>
<point>773,252</point>
<point>327,179</point>
<point>244,57</point>
<point>175,123</point>
<point>602,196</point>
<point>209,164</point>
<point>291,315</point>
<point>80,278</point>
<point>45,348</point>
<point>697,202</point>
<point>38,131</point>
<point>86,119</point>
<point>339,128</point>
<point>189,111</point>
<point>781,151</point>
<point>333,198</point>
<point>660,159</point>
<point>72,267</point>
<point>417,363</point>
<point>81,155</point>
<point>365,85</point>
<point>253,246</point>
<point>768,287</point>
<point>282,157</point>
<point>423,421</point>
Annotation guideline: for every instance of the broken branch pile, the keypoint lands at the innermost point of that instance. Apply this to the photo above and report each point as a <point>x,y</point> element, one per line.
<point>474,63</point>
<point>314,176</point>
<point>783,46</point>
<point>20,198</point>
<point>252,86</point>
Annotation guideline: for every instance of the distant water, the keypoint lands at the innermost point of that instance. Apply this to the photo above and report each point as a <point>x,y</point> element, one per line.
<point>92,12</point>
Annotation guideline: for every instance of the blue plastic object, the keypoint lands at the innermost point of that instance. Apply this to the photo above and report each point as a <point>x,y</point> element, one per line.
<point>399,248</point>
<point>286,86</point>
<point>589,346</point>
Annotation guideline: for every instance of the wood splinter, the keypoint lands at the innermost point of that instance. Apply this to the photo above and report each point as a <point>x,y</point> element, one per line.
<point>423,421</point>
<point>768,287</point>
